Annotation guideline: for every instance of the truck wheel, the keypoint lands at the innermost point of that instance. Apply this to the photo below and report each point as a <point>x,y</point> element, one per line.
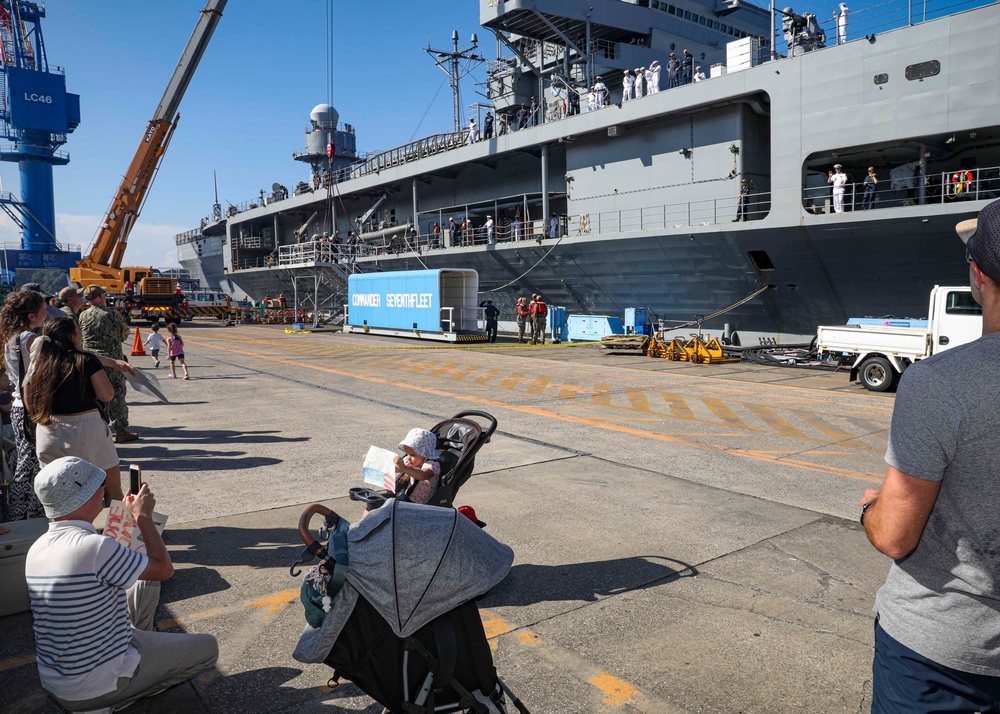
<point>877,374</point>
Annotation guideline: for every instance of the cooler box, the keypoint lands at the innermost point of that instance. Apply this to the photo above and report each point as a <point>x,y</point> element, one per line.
<point>13,551</point>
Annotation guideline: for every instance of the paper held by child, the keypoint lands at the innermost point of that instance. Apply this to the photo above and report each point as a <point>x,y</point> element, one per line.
<point>380,469</point>
<point>122,527</point>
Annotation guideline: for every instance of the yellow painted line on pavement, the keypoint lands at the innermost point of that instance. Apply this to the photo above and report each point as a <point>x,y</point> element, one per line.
<point>618,693</point>
<point>174,622</point>
<point>274,603</point>
<point>602,394</point>
<point>493,625</point>
<point>539,384</point>
<point>774,422</point>
<point>721,410</point>
<point>678,406</point>
<point>637,398</point>
<point>15,662</point>
<point>537,411</point>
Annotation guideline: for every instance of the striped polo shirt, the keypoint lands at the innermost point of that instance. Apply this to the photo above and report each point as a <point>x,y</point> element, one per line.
<point>83,634</point>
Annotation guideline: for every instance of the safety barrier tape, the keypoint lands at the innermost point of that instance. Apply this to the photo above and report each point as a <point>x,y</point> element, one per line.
<point>450,346</point>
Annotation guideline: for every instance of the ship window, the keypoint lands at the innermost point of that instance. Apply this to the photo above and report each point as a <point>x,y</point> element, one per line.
<point>671,10</point>
<point>702,21</point>
<point>687,14</point>
<point>923,69</point>
<point>962,303</point>
<point>715,25</point>
<point>761,261</point>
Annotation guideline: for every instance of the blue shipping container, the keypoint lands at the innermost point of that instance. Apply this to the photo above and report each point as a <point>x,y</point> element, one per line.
<point>414,300</point>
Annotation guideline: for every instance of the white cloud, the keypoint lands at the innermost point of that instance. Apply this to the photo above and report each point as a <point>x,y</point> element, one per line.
<point>147,245</point>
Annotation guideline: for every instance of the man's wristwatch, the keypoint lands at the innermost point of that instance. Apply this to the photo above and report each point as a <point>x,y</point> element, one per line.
<point>864,509</point>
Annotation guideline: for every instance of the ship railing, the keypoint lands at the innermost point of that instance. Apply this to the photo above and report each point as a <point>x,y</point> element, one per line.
<point>865,22</point>
<point>933,188</point>
<point>718,211</point>
<point>461,319</point>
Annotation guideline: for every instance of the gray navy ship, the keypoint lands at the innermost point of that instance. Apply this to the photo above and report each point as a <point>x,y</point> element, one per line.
<point>742,190</point>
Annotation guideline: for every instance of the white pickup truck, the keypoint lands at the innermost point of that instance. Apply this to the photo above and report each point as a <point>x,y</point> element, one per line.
<point>878,354</point>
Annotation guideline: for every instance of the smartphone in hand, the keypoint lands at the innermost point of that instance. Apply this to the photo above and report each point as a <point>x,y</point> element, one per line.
<point>134,478</point>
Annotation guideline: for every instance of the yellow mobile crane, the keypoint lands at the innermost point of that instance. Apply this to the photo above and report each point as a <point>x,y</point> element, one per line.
<point>151,296</point>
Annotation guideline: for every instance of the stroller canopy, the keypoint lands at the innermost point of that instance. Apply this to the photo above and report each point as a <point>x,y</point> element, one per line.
<point>413,563</point>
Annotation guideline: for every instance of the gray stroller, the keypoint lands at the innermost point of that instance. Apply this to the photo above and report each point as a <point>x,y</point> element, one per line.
<point>400,621</point>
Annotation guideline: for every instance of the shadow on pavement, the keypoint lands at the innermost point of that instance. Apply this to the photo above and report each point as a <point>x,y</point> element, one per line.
<point>225,546</point>
<point>263,691</point>
<point>214,436</point>
<point>528,584</point>
<point>166,458</point>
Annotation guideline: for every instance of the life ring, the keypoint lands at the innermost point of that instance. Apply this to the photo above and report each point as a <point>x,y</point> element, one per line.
<point>961,180</point>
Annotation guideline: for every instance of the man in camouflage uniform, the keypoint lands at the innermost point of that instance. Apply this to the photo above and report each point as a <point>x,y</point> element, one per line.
<point>103,331</point>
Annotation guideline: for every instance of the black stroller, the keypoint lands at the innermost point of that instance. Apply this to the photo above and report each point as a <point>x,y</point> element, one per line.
<point>459,440</point>
<point>404,626</point>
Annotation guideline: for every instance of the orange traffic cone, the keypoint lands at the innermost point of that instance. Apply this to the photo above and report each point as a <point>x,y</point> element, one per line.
<point>137,350</point>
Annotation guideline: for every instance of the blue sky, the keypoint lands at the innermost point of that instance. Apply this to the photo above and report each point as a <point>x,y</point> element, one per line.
<point>246,110</point>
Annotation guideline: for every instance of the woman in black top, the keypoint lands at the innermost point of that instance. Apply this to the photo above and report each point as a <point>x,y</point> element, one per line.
<point>62,390</point>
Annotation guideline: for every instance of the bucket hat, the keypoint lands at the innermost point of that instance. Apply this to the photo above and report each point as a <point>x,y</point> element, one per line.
<point>66,484</point>
<point>423,442</point>
<point>981,236</point>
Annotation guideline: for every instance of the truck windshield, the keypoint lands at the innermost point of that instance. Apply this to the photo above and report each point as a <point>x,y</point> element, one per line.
<point>962,303</point>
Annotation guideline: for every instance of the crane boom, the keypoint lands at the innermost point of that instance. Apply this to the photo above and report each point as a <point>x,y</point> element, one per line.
<point>105,259</point>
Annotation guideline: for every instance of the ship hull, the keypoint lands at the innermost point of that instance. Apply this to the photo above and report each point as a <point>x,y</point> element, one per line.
<point>819,274</point>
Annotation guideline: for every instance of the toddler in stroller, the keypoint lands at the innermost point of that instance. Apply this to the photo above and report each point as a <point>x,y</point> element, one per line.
<point>453,454</point>
<point>398,589</point>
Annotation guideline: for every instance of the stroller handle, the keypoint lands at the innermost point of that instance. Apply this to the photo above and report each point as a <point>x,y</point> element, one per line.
<point>312,545</point>
<point>482,415</point>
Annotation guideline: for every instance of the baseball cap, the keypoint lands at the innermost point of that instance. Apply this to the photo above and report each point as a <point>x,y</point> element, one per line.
<point>982,238</point>
<point>66,484</point>
<point>67,293</point>
<point>35,287</point>
<point>94,291</point>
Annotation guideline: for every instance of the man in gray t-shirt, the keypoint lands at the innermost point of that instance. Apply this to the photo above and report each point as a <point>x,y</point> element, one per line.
<point>937,635</point>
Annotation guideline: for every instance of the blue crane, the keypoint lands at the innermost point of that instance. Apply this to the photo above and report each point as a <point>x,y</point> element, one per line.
<point>36,114</point>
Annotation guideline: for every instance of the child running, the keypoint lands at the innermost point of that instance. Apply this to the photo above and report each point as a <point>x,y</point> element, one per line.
<point>176,352</point>
<point>155,342</point>
<point>420,463</point>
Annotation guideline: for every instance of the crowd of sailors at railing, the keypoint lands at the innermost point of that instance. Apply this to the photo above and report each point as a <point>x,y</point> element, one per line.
<point>471,231</point>
<point>803,31</point>
<point>904,186</point>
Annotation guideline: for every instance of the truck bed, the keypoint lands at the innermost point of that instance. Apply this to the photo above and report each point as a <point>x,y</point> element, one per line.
<point>912,342</point>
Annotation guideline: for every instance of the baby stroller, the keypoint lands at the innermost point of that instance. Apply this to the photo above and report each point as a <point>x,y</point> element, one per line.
<point>400,616</point>
<point>458,440</point>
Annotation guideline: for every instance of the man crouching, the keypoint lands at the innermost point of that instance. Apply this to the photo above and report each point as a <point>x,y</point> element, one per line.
<point>93,599</point>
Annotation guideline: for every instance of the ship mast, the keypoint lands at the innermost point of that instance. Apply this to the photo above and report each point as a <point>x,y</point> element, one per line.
<point>448,61</point>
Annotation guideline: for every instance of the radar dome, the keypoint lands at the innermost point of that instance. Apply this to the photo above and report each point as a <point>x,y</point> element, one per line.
<point>324,114</point>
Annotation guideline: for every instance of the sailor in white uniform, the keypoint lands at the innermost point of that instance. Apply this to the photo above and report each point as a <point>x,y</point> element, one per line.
<point>601,91</point>
<point>473,132</point>
<point>653,78</point>
<point>841,23</point>
<point>628,85</point>
<point>838,178</point>
<point>639,74</point>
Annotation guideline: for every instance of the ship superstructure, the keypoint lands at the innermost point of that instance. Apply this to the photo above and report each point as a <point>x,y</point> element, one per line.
<point>642,202</point>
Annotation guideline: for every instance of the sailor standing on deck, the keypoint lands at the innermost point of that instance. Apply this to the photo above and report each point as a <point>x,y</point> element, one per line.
<point>653,77</point>
<point>639,74</point>
<point>841,23</point>
<point>491,238</point>
<point>838,178</point>
<point>673,71</point>
<point>628,85</point>
<point>601,92</point>
<point>687,65</point>
<point>473,132</point>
